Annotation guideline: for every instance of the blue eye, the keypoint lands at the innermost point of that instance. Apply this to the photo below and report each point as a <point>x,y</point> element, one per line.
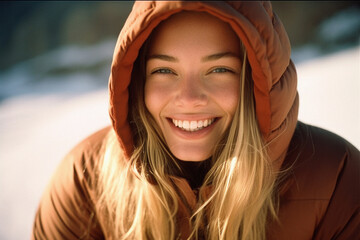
<point>221,70</point>
<point>162,71</point>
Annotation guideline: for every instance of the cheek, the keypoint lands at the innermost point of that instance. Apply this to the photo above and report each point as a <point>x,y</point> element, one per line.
<point>227,96</point>
<point>233,100</point>
<point>150,99</point>
<point>154,99</point>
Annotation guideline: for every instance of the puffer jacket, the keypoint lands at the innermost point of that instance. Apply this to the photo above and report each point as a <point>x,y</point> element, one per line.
<point>319,198</point>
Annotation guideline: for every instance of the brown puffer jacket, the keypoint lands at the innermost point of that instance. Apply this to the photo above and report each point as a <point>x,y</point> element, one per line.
<point>319,199</point>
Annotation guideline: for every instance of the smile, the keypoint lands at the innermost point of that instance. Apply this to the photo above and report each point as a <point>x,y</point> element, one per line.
<point>192,126</point>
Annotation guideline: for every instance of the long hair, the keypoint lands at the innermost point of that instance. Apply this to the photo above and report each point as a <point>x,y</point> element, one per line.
<point>138,199</point>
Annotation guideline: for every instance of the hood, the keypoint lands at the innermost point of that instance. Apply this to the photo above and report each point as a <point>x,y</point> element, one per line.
<point>268,51</point>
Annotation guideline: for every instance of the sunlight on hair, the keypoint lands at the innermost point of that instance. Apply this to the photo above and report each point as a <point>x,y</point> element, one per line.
<point>231,170</point>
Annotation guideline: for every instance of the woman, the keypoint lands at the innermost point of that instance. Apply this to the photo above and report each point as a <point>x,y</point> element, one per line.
<point>205,142</point>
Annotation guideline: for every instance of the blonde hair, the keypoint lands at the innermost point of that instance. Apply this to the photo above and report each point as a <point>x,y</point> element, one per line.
<point>138,200</point>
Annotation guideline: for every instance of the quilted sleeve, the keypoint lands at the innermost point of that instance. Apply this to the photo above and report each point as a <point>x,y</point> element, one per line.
<point>342,217</point>
<point>66,209</point>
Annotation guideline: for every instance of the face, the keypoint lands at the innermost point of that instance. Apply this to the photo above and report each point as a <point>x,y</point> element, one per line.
<point>192,82</point>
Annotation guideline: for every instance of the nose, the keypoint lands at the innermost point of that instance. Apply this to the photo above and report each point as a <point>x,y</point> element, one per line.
<point>191,93</point>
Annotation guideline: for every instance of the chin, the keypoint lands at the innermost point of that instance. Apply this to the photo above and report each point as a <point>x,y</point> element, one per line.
<point>190,156</point>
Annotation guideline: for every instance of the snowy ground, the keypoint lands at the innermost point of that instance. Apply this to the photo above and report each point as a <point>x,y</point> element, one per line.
<point>41,124</point>
<point>329,89</point>
<point>44,112</point>
<point>35,133</point>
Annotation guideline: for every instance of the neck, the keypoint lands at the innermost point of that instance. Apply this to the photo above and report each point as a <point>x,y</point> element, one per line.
<point>194,172</point>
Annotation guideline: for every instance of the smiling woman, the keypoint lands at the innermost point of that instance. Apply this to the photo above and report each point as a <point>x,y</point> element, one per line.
<point>205,142</point>
<point>191,86</point>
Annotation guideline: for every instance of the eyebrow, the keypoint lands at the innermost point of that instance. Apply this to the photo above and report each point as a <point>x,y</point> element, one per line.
<point>217,56</point>
<point>163,57</point>
<point>211,57</point>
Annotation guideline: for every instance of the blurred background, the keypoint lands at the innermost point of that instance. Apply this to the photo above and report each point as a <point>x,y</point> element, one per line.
<point>55,62</point>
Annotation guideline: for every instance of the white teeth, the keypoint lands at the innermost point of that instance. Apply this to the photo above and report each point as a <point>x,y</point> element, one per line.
<point>206,122</point>
<point>185,124</point>
<point>192,126</point>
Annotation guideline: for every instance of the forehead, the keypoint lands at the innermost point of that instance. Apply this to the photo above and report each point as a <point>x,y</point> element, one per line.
<point>193,29</point>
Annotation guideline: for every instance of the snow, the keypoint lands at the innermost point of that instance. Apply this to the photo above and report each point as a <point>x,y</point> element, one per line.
<point>45,112</point>
<point>68,69</point>
<point>329,90</point>
<point>42,120</point>
<point>35,133</point>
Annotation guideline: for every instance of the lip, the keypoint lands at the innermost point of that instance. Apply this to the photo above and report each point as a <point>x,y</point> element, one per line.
<point>191,135</point>
<point>191,117</point>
